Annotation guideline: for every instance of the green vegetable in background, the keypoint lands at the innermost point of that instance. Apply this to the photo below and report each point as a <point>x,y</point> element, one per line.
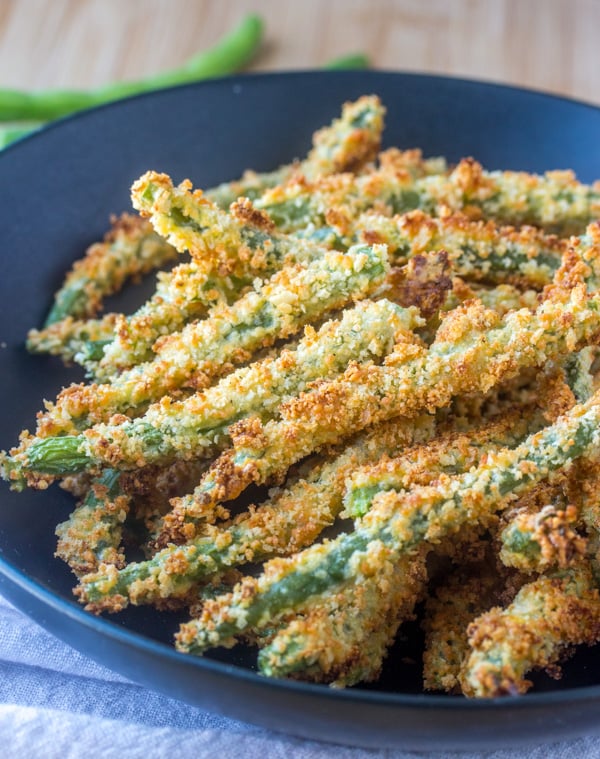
<point>28,111</point>
<point>231,53</point>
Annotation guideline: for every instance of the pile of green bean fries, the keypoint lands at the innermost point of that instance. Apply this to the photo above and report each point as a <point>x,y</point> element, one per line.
<point>402,351</point>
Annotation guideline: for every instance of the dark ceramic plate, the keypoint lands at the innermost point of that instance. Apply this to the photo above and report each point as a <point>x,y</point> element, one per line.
<point>58,189</point>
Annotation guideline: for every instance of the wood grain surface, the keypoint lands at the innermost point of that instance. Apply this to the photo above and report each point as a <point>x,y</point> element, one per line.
<point>545,44</point>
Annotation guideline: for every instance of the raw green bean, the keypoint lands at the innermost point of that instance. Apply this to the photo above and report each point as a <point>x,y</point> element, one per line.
<point>231,53</point>
<point>10,133</point>
<point>350,61</point>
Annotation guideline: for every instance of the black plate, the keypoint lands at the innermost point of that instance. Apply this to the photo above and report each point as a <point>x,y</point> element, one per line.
<point>58,189</point>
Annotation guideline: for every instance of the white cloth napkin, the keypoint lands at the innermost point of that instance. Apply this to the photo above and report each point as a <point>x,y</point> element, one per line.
<point>54,702</point>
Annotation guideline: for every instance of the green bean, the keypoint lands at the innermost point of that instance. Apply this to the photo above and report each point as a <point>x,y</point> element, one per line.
<point>556,202</point>
<point>231,53</point>
<point>477,250</point>
<point>129,250</point>
<point>549,615</point>
<point>10,133</point>
<point>537,540</point>
<point>92,534</point>
<point>198,425</point>
<point>396,524</point>
<point>578,368</point>
<point>292,298</point>
<point>13,132</point>
<point>187,291</point>
<point>291,519</point>
<point>68,337</point>
<point>350,61</point>
<point>449,455</point>
<point>465,594</point>
<point>342,638</point>
<point>244,239</point>
<point>230,251</point>
<point>242,244</point>
<point>346,144</point>
<point>486,348</point>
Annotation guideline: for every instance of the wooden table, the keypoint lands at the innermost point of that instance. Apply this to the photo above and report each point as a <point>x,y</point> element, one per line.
<point>546,44</point>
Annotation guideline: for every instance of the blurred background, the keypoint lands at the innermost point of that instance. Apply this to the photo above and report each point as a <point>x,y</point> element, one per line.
<point>546,44</point>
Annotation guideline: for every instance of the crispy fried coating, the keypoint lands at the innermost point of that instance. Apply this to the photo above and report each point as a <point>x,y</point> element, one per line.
<point>540,532</point>
<point>289,520</point>
<point>450,438</point>
<point>347,144</point>
<point>549,615</point>
<point>342,638</point>
<point>423,282</point>
<point>92,534</point>
<point>556,201</point>
<point>68,337</point>
<point>465,594</point>
<point>401,521</point>
<point>473,351</point>
<point>129,250</point>
<point>203,350</point>
<point>477,250</point>
<point>198,425</point>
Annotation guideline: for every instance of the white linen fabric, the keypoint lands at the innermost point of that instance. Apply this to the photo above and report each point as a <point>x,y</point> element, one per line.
<point>55,702</point>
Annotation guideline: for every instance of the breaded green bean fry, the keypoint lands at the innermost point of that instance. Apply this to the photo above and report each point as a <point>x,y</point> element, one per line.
<point>342,638</point>
<point>347,144</point>
<point>128,250</point>
<point>486,348</point>
<point>237,245</point>
<point>197,426</point>
<point>540,532</point>
<point>397,524</point>
<point>202,351</point>
<point>549,615</point>
<point>477,250</point>
<point>290,520</point>
<point>68,337</point>
<point>92,534</point>
<point>348,141</point>
<point>556,201</point>
<point>449,455</point>
<point>305,507</point>
<point>466,593</point>
<point>578,368</point>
